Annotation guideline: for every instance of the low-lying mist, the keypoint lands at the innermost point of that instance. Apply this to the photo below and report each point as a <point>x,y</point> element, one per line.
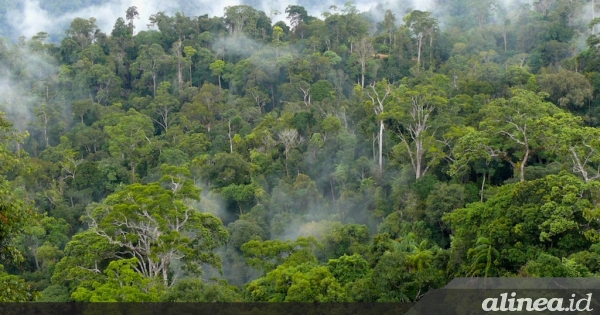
<point>32,18</point>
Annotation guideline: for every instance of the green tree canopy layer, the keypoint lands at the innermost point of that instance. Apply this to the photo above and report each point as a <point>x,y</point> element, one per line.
<point>336,156</point>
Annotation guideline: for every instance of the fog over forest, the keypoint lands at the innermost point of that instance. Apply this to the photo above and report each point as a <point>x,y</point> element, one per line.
<point>201,151</point>
<point>31,16</point>
<point>26,18</point>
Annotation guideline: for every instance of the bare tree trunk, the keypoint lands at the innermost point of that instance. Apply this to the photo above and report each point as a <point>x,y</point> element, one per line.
<point>578,166</point>
<point>37,262</point>
<point>165,276</point>
<point>364,50</point>
<point>418,159</point>
<point>154,84</point>
<point>229,135</point>
<point>522,166</point>
<point>374,152</point>
<point>46,130</point>
<point>179,69</point>
<point>378,107</point>
<point>381,146</point>
<point>420,44</point>
<point>132,172</point>
<point>482,186</point>
<point>362,75</point>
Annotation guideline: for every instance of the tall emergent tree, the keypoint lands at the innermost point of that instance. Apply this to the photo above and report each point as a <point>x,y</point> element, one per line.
<point>158,226</point>
<point>422,25</point>
<point>419,110</point>
<point>511,131</point>
<point>377,94</point>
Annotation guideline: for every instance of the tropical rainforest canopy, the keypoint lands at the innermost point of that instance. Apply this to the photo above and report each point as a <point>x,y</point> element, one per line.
<point>352,156</point>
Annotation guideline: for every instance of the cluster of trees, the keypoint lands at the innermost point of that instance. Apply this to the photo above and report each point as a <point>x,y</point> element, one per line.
<point>343,158</point>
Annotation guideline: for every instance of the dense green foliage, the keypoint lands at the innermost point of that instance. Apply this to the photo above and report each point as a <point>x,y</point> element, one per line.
<point>342,158</point>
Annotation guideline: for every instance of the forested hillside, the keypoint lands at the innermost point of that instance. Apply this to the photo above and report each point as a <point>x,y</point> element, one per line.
<point>28,17</point>
<point>351,156</point>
